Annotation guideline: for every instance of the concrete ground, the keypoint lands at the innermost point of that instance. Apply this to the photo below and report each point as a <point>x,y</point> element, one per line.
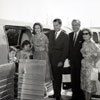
<point>62,98</point>
<point>66,95</point>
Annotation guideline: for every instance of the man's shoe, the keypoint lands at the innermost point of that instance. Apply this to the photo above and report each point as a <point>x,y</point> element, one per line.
<point>51,96</point>
<point>58,98</point>
<point>72,99</point>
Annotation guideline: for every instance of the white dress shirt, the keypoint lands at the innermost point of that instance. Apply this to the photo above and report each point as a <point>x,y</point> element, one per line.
<point>57,34</point>
<point>75,36</point>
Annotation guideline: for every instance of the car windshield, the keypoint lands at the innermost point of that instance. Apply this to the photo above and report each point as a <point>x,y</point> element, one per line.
<point>13,35</point>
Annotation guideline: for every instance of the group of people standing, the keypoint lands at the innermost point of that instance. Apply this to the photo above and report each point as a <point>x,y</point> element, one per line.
<point>82,53</point>
<point>58,46</point>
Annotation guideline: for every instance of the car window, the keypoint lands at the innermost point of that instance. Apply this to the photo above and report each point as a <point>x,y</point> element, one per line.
<point>13,35</point>
<point>99,34</point>
<point>95,37</point>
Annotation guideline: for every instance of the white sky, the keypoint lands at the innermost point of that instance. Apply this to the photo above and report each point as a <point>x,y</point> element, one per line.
<point>44,11</point>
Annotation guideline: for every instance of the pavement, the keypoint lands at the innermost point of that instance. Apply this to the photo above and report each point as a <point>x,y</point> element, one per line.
<point>62,98</point>
<point>65,95</point>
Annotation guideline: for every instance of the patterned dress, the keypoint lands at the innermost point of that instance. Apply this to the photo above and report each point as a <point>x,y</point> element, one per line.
<point>40,43</point>
<point>89,52</point>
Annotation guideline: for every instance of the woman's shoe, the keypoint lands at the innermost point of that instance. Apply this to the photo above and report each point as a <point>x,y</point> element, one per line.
<point>46,96</point>
<point>51,96</point>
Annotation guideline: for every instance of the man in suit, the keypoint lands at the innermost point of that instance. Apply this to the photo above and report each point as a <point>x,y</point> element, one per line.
<point>58,52</point>
<point>75,57</point>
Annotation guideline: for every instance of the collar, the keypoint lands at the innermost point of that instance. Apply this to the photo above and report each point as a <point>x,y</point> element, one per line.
<point>77,32</point>
<point>58,33</point>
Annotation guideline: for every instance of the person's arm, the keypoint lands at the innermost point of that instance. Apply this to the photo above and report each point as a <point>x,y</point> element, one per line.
<point>69,46</point>
<point>32,43</point>
<point>97,54</point>
<point>46,43</point>
<point>32,40</point>
<point>65,49</point>
<point>64,52</point>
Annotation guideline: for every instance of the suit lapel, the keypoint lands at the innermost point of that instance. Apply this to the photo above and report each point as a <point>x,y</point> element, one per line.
<point>53,37</point>
<point>78,38</point>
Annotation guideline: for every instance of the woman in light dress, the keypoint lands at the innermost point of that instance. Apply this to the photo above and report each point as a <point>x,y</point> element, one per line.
<point>40,43</point>
<point>90,54</point>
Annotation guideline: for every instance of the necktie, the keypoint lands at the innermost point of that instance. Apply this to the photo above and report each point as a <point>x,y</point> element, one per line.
<point>75,37</point>
<point>55,35</point>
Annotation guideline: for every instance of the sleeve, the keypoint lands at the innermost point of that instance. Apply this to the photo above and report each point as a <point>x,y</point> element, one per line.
<point>69,46</point>
<point>83,51</point>
<point>94,49</point>
<point>32,40</point>
<point>46,43</point>
<point>96,52</point>
<point>65,49</point>
<point>32,43</point>
<point>18,55</point>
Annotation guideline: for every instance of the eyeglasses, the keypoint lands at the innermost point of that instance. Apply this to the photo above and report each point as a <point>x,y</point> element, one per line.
<point>85,33</point>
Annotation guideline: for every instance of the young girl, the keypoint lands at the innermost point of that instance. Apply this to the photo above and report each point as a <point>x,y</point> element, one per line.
<point>12,54</point>
<point>26,52</point>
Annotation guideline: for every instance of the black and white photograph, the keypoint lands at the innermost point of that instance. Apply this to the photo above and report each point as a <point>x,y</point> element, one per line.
<point>49,50</point>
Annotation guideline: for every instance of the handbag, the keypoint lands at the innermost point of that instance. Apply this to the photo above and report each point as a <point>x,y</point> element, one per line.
<point>94,74</point>
<point>66,78</point>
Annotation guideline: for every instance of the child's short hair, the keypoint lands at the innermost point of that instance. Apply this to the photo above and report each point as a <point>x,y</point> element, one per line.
<point>26,42</point>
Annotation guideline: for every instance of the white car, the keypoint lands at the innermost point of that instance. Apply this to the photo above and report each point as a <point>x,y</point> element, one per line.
<point>96,37</point>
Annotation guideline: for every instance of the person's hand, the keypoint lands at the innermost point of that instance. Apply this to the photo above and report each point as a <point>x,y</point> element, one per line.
<point>60,64</point>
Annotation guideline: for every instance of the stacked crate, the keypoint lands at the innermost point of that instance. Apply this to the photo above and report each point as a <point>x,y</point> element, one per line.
<point>31,79</point>
<point>7,72</point>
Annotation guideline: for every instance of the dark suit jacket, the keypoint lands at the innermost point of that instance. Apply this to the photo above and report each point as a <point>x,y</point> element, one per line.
<point>74,49</point>
<point>58,49</point>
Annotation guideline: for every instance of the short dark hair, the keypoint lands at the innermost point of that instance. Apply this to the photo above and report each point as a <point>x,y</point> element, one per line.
<point>77,21</point>
<point>89,32</point>
<point>26,42</point>
<point>57,20</point>
<point>39,24</point>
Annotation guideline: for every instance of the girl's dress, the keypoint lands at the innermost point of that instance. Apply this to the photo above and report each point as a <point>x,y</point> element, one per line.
<point>89,52</point>
<point>24,55</point>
